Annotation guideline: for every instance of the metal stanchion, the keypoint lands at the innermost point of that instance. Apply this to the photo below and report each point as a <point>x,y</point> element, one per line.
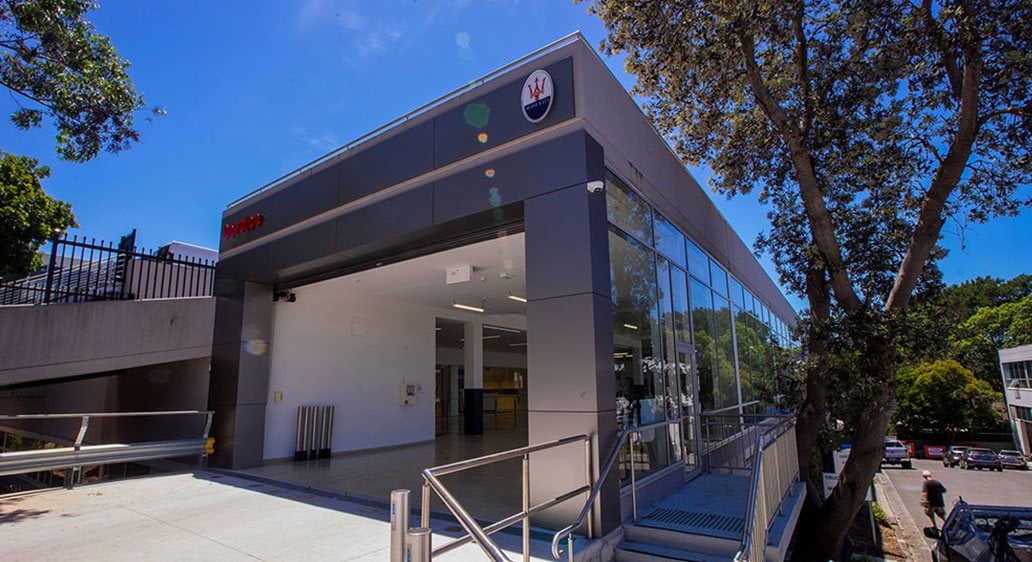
<point>417,545</point>
<point>399,524</point>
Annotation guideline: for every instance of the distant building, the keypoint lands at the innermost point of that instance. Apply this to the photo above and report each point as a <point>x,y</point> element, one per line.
<point>1016,369</point>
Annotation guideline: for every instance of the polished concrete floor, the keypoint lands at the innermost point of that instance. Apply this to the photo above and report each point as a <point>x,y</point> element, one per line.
<point>206,515</point>
<point>488,493</point>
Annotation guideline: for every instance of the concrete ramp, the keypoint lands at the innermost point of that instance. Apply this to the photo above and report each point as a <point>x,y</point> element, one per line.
<point>43,343</point>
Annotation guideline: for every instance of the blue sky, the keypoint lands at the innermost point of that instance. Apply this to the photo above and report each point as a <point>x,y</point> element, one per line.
<point>256,89</point>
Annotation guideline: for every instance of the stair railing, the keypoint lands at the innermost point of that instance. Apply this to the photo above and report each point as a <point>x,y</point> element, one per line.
<point>633,433</point>
<point>775,468</point>
<point>482,535</point>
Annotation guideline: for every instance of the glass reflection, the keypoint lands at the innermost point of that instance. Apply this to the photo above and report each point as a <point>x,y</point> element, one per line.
<point>628,210</point>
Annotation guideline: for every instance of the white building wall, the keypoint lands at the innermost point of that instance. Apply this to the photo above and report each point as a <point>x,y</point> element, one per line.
<point>336,347</point>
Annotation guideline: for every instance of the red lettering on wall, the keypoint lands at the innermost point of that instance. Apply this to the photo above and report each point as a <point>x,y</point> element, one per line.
<point>243,225</point>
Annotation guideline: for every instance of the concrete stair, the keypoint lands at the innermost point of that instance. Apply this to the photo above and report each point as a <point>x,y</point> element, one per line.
<point>650,544</point>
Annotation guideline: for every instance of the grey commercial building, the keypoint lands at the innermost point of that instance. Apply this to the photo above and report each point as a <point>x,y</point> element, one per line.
<point>1016,369</point>
<point>524,257</point>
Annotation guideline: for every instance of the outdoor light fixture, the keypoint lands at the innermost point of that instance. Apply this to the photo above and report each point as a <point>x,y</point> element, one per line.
<point>630,326</point>
<point>467,307</point>
<point>503,329</point>
<point>516,298</point>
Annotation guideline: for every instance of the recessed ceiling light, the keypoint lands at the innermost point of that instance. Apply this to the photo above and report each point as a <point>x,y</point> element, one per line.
<point>503,329</point>
<point>631,326</point>
<point>437,329</point>
<point>494,337</point>
<point>467,307</point>
<point>516,298</point>
<point>520,344</point>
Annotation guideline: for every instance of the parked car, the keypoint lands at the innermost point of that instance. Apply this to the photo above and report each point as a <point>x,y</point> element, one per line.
<point>896,453</point>
<point>1013,459</point>
<point>979,458</point>
<point>975,533</point>
<point>953,456</point>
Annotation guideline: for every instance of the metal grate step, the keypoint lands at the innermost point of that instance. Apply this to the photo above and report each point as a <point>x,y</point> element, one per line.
<point>694,522</point>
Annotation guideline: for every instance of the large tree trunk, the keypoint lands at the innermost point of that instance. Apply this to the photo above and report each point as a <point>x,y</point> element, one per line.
<point>824,539</point>
<point>814,409</point>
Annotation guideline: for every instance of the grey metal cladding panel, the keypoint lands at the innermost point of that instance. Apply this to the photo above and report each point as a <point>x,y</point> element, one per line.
<point>393,160</point>
<point>250,265</point>
<point>305,198</point>
<point>455,139</point>
<point>539,169</point>
<point>396,216</point>
<point>567,244</point>
<point>311,243</point>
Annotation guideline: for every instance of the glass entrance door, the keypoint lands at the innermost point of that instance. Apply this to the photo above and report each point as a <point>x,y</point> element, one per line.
<point>689,401</point>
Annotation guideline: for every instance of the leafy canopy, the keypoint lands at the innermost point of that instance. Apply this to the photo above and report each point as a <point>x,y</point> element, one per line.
<point>28,216</point>
<point>867,97</point>
<point>945,397</point>
<point>57,66</point>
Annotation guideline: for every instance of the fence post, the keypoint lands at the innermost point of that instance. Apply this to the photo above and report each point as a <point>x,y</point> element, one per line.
<point>50,268</point>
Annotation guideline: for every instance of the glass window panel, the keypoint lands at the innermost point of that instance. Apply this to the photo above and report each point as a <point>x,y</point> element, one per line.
<point>718,278</point>
<point>670,241</point>
<point>628,210</point>
<point>737,293</point>
<point>679,290</point>
<point>666,329</point>
<point>745,336</point>
<point>728,395</point>
<point>640,394</point>
<point>698,262</point>
<point>705,344</point>
<point>765,314</point>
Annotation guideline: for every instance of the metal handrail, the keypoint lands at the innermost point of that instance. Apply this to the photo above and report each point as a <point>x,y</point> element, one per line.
<point>567,532</point>
<point>78,455</point>
<point>758,485</point>
<point>481,535</point>
<point>425,108</point>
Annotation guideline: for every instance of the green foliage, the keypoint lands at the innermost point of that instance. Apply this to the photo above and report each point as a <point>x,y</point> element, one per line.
<point>879,515</point>
<point>28,216</point>
<point>944,397</point>
<point>56,63</point>
<point>977,340</point>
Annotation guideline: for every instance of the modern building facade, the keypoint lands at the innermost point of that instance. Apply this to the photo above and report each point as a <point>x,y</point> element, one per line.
<point>523,254</point>
<point>1016,369</point>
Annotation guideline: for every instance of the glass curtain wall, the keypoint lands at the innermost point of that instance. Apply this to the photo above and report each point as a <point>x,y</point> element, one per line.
<point>668,297</point>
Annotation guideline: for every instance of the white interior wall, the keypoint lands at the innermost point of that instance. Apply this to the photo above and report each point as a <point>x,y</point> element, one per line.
<point>336,346</point>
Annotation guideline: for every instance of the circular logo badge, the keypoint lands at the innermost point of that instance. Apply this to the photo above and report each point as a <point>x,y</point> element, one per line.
<point>536,97</point>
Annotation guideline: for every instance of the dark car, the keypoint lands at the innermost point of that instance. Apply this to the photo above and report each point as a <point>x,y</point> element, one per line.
<point>1013,459</point>
<point>981,458</point>
<point>953,456</point>
<point>976,533</point>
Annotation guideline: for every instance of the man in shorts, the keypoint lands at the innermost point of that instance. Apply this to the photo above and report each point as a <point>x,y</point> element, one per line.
<point>932,498</point>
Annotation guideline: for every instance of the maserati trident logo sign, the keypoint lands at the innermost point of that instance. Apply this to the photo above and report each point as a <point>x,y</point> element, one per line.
<point>536,97</point>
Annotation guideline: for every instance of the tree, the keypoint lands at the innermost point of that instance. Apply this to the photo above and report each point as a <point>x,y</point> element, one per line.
<point>28,216</point>
<point>863,126</point>
<point>978,339</point>
<point>945,398</point>
<point>55,63</point>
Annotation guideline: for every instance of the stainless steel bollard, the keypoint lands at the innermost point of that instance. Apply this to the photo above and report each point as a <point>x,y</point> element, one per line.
<point>399,523</point>
<point>417,545</point>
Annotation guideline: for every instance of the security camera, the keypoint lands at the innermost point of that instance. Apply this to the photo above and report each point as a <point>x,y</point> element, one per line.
<point>596,186</point>
<point>284,296</point>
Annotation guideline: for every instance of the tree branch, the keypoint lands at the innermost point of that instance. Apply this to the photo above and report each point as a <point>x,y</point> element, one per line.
<point>803,63</point>
<point>944,181</point>
<point>949,59</point>
<point>1012,110</point>
<point>821,224</point>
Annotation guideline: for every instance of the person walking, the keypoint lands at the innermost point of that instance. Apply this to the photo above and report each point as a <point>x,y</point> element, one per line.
<point>932,498</point>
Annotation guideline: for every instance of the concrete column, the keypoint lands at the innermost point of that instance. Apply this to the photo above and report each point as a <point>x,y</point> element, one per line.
<point>473,355</point>
<point>239,385</point>
<point>571,383</point>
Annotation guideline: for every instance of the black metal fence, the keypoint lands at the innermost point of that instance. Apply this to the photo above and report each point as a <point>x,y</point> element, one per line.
<point>81,270</point>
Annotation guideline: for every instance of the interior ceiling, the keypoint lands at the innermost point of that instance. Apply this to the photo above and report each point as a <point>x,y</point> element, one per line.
<point>499,270</point>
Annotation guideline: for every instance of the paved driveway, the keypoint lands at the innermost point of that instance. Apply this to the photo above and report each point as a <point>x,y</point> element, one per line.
<point>1010,487</point>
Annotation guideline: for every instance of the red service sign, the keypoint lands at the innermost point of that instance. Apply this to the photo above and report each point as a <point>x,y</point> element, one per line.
<point>243,225</point>
<point>934,451</point>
